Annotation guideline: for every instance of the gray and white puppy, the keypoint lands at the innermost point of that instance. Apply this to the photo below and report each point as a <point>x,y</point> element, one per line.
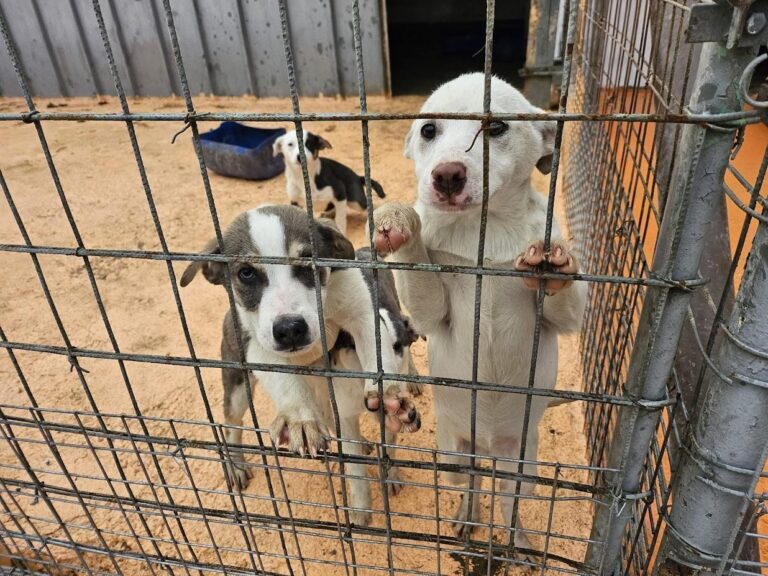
<point>277,310</point>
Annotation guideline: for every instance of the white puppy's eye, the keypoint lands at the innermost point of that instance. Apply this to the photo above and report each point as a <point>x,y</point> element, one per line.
<point>498,128</point>
<point>290,144</point>
<point>428,131</point>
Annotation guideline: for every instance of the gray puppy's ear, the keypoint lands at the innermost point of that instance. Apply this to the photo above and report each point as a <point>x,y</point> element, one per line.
<point>331,242</point>
<point>547,129</point>
<point>213,271</point>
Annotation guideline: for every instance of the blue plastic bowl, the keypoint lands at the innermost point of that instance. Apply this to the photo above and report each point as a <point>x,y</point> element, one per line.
<point>240,151</point>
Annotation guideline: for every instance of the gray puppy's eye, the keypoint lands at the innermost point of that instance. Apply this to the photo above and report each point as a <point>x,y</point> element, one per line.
<point>248,275</point>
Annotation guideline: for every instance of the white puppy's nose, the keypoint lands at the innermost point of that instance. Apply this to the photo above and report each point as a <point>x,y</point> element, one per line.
<point>449,178</point>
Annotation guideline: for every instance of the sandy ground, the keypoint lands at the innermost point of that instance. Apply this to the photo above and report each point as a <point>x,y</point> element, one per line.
<point>101,182</point>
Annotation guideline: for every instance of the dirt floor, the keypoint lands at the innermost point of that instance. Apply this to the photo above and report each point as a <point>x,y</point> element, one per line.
<point>100,179</point>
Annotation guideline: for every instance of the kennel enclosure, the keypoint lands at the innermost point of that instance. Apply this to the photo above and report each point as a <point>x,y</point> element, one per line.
<point>654,119</point>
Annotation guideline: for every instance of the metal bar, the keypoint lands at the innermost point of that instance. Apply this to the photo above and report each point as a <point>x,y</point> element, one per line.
<point>639,280</point>
<point>572,13</point>
<point>76,352</point>
<point>725,118</point>
<point>157,225</point>
<point>697,182</point>
<point>383,457</point>
<point>490,8</point>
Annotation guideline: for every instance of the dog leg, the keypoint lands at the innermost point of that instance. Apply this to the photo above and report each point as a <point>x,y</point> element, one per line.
<point>511,450</point>
<point>464,517</point>
<point>295,195</point>
<point>415,388</point>
<point>235,405</point>
<point>299,424</point>
<point>359,485</point>
<point>393,475</point>
<point>341,216</point>
<point>352,309</point>
<point>346,392</point>
<point>398,232</point>
<point>330,211</point>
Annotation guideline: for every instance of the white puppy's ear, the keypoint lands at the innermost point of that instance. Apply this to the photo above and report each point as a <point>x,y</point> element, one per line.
<point>547,129</point>
<point>408,147</point>
<point>277,146</point>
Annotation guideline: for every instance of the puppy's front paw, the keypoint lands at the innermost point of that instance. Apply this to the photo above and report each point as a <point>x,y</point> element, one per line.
<point>299,434</point>
<point>400,412</point>
<point>360,518</point>
<point>415,388</point>
<point>238,473</point>
<point>394,225</point>
<point>557,257</point>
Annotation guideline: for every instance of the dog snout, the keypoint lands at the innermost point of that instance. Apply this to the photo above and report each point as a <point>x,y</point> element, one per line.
<point>449,178</point>
<point>290,332</point>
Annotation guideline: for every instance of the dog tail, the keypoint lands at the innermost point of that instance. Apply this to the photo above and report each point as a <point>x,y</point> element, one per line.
<point>375,185</point>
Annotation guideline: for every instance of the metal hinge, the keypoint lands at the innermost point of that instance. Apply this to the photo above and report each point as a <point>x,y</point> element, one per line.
<point>741,23</point>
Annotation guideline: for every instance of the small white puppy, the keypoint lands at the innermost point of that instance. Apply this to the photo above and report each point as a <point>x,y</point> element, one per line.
<point>443,228</point>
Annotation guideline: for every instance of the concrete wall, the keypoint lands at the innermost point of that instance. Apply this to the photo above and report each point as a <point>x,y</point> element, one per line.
<point>230,47</point>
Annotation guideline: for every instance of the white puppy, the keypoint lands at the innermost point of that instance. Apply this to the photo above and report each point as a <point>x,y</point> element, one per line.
<point>443,228</point>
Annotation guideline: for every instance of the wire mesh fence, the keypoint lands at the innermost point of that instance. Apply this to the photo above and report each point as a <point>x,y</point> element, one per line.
<point>96,491</point>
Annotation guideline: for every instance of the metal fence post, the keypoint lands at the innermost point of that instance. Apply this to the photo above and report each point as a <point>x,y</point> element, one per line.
<point>728,440</point>
<point>716,260</point>
<point>696,187</point>
<point>540,70</point>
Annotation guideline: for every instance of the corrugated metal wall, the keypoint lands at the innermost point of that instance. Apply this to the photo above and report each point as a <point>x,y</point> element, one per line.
<point>230,47</point>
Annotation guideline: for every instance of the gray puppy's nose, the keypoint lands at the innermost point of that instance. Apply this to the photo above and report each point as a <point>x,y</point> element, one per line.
<point>449,177</point>
<point>290,332</point>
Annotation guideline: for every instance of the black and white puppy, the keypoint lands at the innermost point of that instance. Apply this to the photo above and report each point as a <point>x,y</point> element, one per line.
<point>334,185</point>
<point>277,310</point>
